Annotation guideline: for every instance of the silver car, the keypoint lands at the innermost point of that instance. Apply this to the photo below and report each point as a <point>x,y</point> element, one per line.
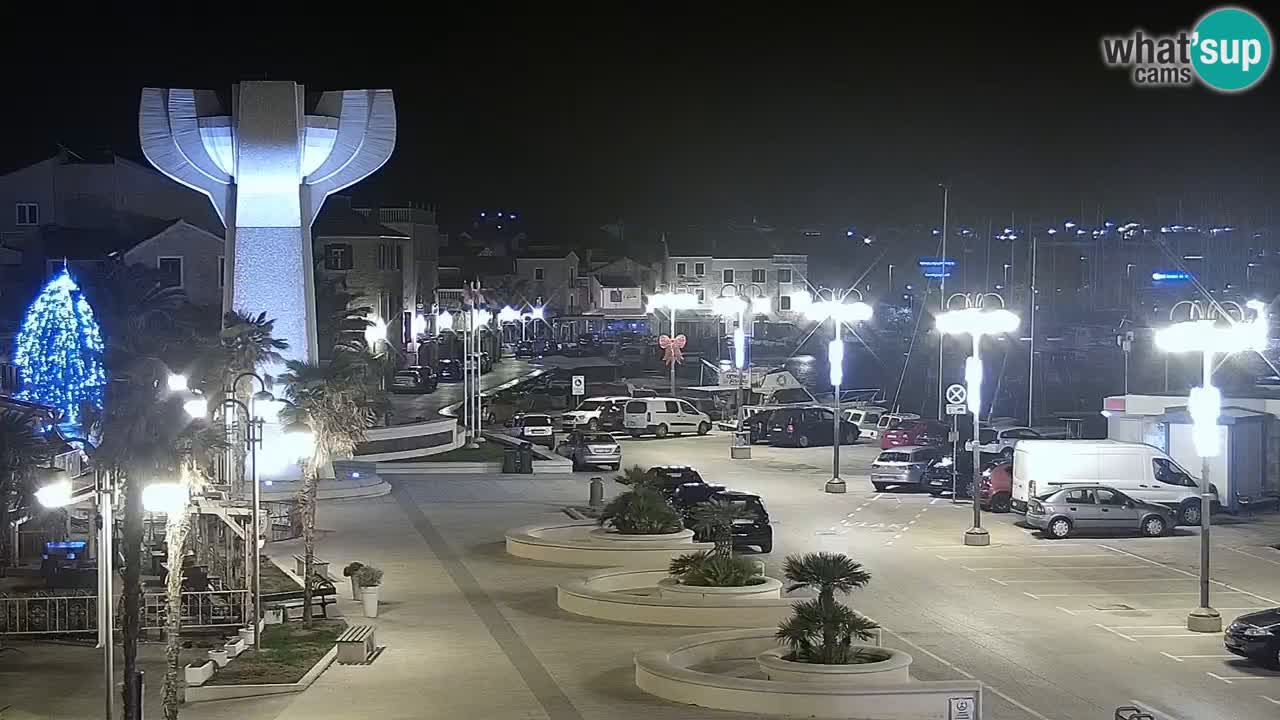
<point>903,466</point>
<point>587,448</point>
<point>1096,508</point>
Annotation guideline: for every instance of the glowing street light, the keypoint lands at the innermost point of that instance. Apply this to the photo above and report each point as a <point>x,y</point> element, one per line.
<point>671,302</point>
<point>166,497</point>
<point>444,321</point>
<point>976,322</point>
<point>176,383</point>
<point>1204,405</point>
<point>375,332</point>
<point>196,407</point>
<point>839,313</point>
<point>55,495</point>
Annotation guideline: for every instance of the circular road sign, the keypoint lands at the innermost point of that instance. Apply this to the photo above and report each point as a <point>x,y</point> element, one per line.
<point>956,394</point>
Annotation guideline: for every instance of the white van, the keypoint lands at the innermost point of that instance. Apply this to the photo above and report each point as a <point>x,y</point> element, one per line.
<point>1140,471</point>
<point>662,416</point>
<point>867,419</point>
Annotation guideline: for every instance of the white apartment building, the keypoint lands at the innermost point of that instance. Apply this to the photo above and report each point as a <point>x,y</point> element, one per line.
<point>781,278</point>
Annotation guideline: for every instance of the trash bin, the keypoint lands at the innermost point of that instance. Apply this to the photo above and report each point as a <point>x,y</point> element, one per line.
<point>741,448</point>
<point>511,460</point>
<point>525,465</point>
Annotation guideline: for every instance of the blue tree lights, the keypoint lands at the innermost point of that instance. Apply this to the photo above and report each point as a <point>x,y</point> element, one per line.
<point>59,350</point>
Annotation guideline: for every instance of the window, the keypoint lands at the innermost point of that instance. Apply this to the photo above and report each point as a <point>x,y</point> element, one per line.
<point>986,437</point>
<point>687,409</point>
<point>170,270</point>
<point>682,269</point>
<point>1078,496</point>
<point>538,274</point>
<point>390,256</point>
<point>757,276</point>
<point>728,275</point>
<point>701,295</point>
<point>671,406</point>
<point>338,257</point>
<point>1110,497</point>
<point>784,275</point>
<point>635,406</point>
<point>871,418</point>
<point>222,272</point>
<point>615,296</point>
<point>1169,473</point>
<point>573,275</point>
<point>784,302</point>
<point>27,214</point>
<point>1023,434</point>
<point>399,257</point>
<point>699,269</point>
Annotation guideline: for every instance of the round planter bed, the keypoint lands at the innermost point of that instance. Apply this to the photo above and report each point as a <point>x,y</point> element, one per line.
<point>673,673</point>
<point>894,668</point>
<point>584,544</point>
<point>670,589</point>
<point>627,595</point>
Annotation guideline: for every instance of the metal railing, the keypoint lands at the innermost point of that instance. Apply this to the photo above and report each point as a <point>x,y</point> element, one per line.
<point>70,613</point>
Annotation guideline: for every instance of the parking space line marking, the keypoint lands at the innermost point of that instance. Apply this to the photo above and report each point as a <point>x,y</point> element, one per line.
<point>1033,597</point>
<point>878,496</point>
<point>1233,678</point>
<point>1017,704</point>
<point>1218,677</point>
<point>1180,658</point>
<point>1136,609</point>
<point>1178,635</point>
<point>1115,632</point>
<point>1255,557</point>
<point>1270,699</point>
<point>934,500</point>
<point>1061,567</point>
<point>1065,610</point>
<point>1127,594</point>
<point>1096,582</point>
<point>999,581</point>
<point>1145,627</point>
<point>1174,658</point>
<point>1190,575</point>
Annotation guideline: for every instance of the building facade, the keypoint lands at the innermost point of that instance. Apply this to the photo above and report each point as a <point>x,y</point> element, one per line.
<point>780,278</point>
<point>372,259</point>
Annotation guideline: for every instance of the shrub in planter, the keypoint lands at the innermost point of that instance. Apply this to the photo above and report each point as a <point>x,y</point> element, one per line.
<point>635,476</point>
<point>642,511</point>
<point>711,569</point>
<point>368,576</point>
<point>822,630</point>
<point>350,572</point>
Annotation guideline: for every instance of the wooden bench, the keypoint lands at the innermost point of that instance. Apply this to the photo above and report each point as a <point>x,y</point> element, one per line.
<point>318,566</point>
<point>323,594</point>
<point>356,645</point>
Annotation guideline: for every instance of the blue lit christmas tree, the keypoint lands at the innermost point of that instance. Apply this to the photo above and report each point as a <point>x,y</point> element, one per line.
<point>59,350</point>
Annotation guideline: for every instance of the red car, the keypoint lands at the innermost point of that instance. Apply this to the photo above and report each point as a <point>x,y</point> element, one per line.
<point>914,432</point>
<point>996,488</point>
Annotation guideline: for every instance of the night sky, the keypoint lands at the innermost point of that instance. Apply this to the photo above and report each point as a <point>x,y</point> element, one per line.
<point>670,119</point>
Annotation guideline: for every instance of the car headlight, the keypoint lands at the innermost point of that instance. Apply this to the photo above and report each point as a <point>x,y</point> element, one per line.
<point>1253,631</point>
<point>945,462</point>
<point>986,473</point>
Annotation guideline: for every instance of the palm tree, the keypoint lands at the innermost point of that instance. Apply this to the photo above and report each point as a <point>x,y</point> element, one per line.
<point>823,630</point>
<point>331,402</point>
<point>714,519</point>
<point>246,343</point>
<point>22,448</point>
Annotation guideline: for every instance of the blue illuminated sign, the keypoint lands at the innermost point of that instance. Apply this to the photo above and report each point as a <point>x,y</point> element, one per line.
<point>936,267</point>
<point>1170,276</point>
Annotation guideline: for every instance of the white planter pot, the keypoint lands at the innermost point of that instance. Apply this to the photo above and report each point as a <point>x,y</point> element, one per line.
<point>893,670</point>
<point>369,596</point>
<point>247,636</point>
<point>274,616</point>
<point>199,674</point>
<point>219,657</point>
<point>355,588</point>
<point>671,589</point>
<point>235,647</point>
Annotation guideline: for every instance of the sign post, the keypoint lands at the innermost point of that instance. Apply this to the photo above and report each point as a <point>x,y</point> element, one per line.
<point>956,396</point>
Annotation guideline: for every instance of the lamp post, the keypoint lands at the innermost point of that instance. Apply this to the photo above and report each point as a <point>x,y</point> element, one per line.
<point>728,307</point>
<point>840,313</point>
<point>254,438</point>
<point>1204,404</point>
<point>976,321</point>
<point>509,314</point>
<point>479,321</point>
<point>671,302</point>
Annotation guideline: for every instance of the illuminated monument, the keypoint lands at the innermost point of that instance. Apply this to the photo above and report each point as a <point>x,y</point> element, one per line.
<point>268,164</point>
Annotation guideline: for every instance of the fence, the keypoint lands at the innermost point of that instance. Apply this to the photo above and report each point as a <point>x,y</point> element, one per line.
<point>71,613</point>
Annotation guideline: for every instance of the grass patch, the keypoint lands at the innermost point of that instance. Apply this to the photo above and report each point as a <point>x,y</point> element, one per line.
<point>488,451</point>
<point>274,579</point>
<point>288,652</point>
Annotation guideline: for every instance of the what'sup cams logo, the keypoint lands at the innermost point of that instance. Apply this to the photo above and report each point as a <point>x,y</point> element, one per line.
<point>1229,50</point>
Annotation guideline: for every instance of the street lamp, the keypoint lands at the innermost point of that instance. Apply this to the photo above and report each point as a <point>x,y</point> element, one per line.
<point>840,313</point>
<point>1204,404</point>
<point>671,302</point>
<point>976,322</point>
<point>375,332</point>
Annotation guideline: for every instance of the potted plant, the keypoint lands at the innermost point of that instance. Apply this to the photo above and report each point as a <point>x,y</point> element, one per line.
<point>369,578</point>
<point>822,630</point>
<point>642,511</point>
<point>350,572</point>
<point>635,476</point>
<point>711,569</point>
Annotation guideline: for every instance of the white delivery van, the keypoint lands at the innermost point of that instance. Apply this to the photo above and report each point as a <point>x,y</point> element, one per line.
<point>867,418</point>
<point>1140,471</point>
<point>663,416</point>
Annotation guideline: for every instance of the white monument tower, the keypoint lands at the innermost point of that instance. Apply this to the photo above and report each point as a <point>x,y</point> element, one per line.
<point>268,164</point>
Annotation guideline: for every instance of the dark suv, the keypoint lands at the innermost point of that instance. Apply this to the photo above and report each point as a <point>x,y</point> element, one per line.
<point>753,531</point>
<point>803,427</point>
<point>668,478</point>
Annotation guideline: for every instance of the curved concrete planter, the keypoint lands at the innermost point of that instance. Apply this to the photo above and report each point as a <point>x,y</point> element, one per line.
<point>227,692</point>
<point>619,595</point>
<point>583,544</point>
<point>667,674</point>
<point>896,668</point>
<point>671,589</point>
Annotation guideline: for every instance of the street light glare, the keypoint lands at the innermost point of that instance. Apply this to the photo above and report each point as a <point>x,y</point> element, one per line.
<point>977,321</point>
<point>375,331</point>
<point>673,301</point>
<point>177,382</point>
<point>728,305</point>
<point>845,312</point>
<point>165,497</point>
<point>536,313</point>
<point>55,495</point>
<point>508,314</point>
<point>196,407</point>
<point>444,321</point>
<point>761,305</point>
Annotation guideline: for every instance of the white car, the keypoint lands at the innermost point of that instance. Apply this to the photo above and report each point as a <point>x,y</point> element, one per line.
<point>663,416</point>
<point>1001,441</point>
<point>535,428</point>
<point>587,415</point>
<point>867,419</point>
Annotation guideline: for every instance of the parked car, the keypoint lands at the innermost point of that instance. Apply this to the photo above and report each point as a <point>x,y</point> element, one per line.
<point>891,421</point>
<point>903,467</point>
<point>939,473</point>
<point>754,531</point>
<point>758,426</point>
<point>536,428</point>
<point>1140,471</point>
<point>1001,441</point>
<point>1096,508</point>
<point>611,416</point>
<point>914,432</point>
<point>867,419</point>
<point>449,370</point>
<point>524,349</point>
<point>587,414</point>
<point>508,350</point>
<point>1256,635</point>
<point>664,416</point>
<point>414,379</point>
<point>668,478</point>
<point>591,448</point>
<point>805,427</point>
<point>995,492</point>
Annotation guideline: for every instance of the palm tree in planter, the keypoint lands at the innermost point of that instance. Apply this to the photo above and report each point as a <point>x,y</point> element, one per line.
<point>720,567</point>
<point>822,630</point>
<point>642,511</point>
<point>635,476</point>
<point>714,518</point>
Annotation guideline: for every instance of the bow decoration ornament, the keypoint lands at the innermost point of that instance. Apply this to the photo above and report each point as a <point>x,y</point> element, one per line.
<point>672,347</point>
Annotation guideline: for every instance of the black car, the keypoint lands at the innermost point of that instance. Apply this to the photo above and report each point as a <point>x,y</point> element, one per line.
<point>938,475</point>
<point>414,379</point>
<point>524,349</point>
<point>758,426</point>
<point>1256,636</point>
<point>805,427</point>
<point>611,416</point>
<point>753,531</point>
<point>667,478</point>
<point>449,370</point>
